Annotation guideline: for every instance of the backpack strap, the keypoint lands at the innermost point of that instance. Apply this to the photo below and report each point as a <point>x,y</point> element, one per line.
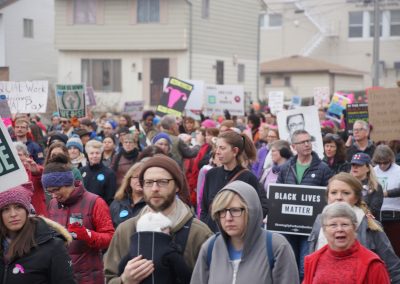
<point>237,175</point>
<point>182,235</point>
<point>270,251</point>
<point>210,249</point>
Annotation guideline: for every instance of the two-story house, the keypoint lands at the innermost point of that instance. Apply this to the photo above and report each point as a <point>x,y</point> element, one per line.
<point>125,48</point>
<point>339,32</point>
<point>27,40</point>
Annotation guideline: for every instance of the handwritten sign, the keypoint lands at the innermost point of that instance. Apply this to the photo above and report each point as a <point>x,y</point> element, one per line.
<point>71,100</point>
<point>293,208</point>
<point>384,115</point>
<point>134,109</point>
<point>275,101</point>
<point>26,97</point>
<point>12,172</point>
<point>355,112</point>
<point>321,97</point>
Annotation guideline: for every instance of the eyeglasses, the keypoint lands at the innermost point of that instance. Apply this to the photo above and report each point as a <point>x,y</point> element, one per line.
<point>52,190</point>
<point>358,129</point>
<point>64,121</point>
<point>148,183</point>
<point>303,142</point>
<point>382,163</point>
<point>335,226</point>
<point>234,212</point>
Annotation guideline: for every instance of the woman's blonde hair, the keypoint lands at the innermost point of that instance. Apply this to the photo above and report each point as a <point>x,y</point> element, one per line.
<point>125,189</point>
<point>221,202</point>
<point>357,188</point>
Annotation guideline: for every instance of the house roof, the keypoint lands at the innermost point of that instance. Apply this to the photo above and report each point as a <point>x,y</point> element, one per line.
<point>4,3</point>
<point>301,64</point>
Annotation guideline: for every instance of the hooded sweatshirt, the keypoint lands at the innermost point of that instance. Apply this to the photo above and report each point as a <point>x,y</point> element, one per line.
<point>254,265</point>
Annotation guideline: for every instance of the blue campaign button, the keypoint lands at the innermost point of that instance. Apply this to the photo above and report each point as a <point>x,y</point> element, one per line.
<point>123,213</point>
<point>100,177</point>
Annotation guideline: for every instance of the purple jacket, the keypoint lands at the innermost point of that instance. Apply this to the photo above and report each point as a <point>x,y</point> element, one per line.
<point>257,166</point>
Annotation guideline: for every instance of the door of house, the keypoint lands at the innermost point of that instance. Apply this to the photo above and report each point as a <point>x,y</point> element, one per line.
<point>159,69</point>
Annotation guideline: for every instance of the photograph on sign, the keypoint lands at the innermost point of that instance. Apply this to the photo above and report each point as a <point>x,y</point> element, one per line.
<point>224,97</point>
<point>174,97</point>
<point>292,209</point>
<point>12,172</point>
<point>301,118</point>
<point>355,112</point>
<point>26,97</point>
<point>71,100</point>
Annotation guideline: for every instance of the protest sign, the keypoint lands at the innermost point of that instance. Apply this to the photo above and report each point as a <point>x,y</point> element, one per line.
<point>12,172</point>
<point>296,102</point>
<point>90,99</point>
<point>355,112</point>
<point>4,107</point>
<point>174,97</point>
<point>71,100</point>
<point>321,97</point>
<point>26,97</point>
<point>336,107</point>
<point>275,101</point>
<point>293,208</point>
<point>384,115</point>
<point>224,97</point>
<point>302,118</point>
<point>134,109</point>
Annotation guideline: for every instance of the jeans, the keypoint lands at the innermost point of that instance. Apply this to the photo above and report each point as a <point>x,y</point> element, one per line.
<point>300,248</point>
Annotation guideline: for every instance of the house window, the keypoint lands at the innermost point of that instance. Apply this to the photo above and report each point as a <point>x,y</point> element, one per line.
<point>205,9</point>
<point>85,11</point>
<point>148,11</point>
<point>241,74</point>
<point>355,24</point>
<point>103,74</point>
<point>28,28</point>
<point>220,73</point>
<point>395,23</point>
<point>271,21</point>
<point>287,81</point>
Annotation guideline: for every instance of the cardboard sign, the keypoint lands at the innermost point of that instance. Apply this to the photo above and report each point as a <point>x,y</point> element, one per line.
<point>384,114</point>
<point>26,97</point>
<point>71,100</point>
<point>4,107</point>
<point>293,208</point>
<point>301,118</point>
<point>321,97</point>
<point>12,172</point>
<point>224,97</point>
<point>355,112</point>
<point>174,97</point>
<point>134,109</point>
<point>275,101</point>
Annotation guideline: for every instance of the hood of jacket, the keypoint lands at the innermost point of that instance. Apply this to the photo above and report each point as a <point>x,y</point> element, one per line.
<point>255,214</point>
<point>47,229</point>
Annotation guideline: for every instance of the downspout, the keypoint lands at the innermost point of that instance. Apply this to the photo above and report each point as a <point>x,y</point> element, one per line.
<point>190,36</point>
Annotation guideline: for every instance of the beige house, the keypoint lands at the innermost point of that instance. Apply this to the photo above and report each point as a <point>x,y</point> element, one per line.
<point>298,76</point>
<point>124,48</point>
<point>339,32</point>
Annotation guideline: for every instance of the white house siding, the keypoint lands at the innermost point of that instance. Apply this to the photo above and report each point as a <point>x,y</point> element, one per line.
<point>343,82</point>
<point>29,58</point>
<point>117,31</point>
<point>2,42</point>
<point>131,63</point>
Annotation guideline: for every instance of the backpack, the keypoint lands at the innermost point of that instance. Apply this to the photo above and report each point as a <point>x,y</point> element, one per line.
<point>180,238</point>
<point>271,258</point>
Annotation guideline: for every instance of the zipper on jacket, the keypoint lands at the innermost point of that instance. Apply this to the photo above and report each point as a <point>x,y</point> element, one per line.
<point>5,274</point>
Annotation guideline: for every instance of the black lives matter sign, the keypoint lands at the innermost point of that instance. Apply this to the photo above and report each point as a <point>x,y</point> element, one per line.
<point>293,208</point>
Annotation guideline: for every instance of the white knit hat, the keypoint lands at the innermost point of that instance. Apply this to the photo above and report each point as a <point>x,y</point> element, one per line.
<point>153,222</point>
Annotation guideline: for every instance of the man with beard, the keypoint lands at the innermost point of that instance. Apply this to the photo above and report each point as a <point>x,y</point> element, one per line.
<point>166,191</point>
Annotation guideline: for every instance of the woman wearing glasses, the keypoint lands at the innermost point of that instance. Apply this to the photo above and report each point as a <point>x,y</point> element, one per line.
<point>388,174</point>
<point>240,254</point>
<point>343,259</point>
<point>343,187</point>
<point>335,153</point>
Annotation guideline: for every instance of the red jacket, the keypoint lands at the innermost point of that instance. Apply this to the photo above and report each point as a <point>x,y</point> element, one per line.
<point>369,268</point>
<point>38,197</point>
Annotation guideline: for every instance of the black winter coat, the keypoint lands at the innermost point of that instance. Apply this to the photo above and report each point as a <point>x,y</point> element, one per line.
<point>48,263</point>
<point>317,174</point>
<point>122,210</point>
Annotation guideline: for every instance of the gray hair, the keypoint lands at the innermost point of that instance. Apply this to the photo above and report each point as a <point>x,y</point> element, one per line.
<point>338,210</point>
<point>383,153</point>
<point>21,147</point>
<point>297,133</point>
<point>95,145</point>
<point>363,123</point>
<point>168,121</point>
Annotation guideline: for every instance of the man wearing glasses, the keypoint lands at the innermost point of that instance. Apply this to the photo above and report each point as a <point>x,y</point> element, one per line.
<point>66,127</point>
<point>359,142</point>
<point>308,169</point>
<point>165,190</point>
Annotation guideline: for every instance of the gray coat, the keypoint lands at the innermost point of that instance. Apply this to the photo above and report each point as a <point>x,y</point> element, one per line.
<point>375,241</point>
<point>254,265</point>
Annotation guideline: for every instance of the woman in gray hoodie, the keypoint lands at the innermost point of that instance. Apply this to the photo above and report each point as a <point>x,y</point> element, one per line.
<point>240,253</point>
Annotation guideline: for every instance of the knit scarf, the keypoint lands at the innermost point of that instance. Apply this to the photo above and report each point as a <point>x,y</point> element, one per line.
<point>131,155</point>
<point>321,237</point>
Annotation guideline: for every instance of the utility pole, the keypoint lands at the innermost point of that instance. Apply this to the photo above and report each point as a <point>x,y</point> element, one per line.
<point>375,64</point>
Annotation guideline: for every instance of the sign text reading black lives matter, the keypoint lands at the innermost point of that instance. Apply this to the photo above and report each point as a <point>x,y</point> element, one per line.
<point>293,208</point>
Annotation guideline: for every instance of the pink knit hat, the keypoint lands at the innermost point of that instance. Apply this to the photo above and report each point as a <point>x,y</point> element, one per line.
<point>20,194</point>
<point>209,123</point>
